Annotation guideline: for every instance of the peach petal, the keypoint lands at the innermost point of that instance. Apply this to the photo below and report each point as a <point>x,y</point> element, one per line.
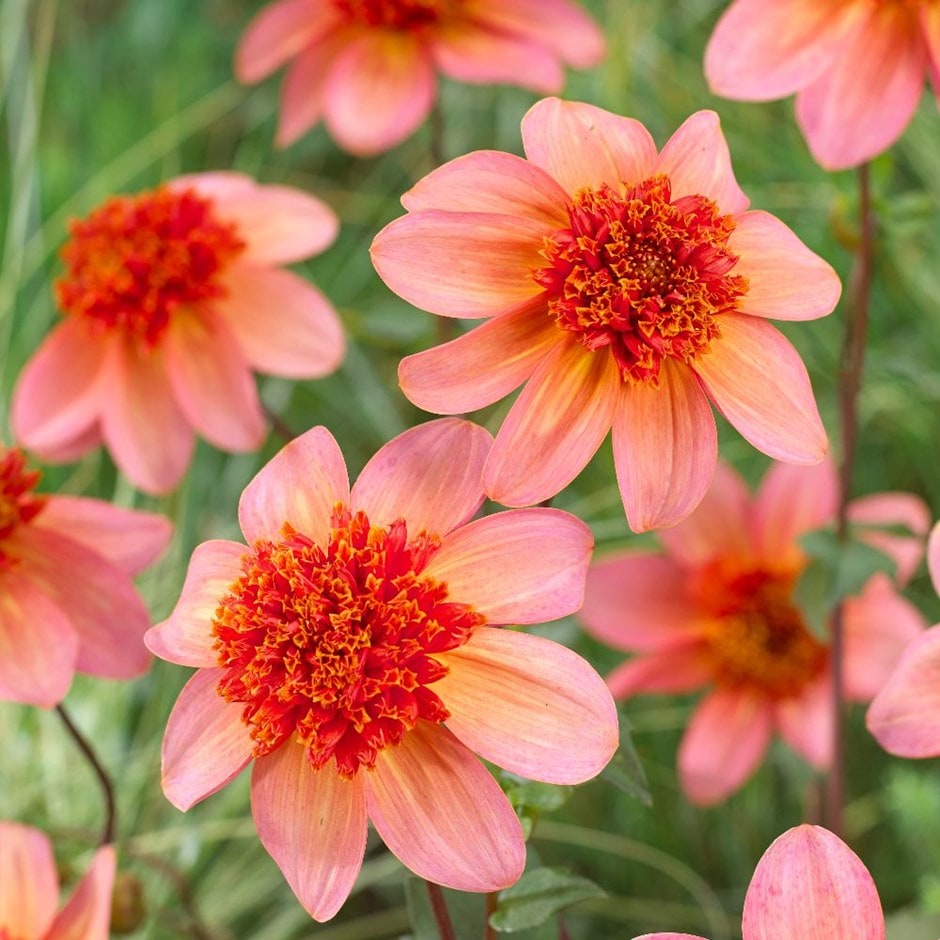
<point>29,885</point>
<point>302,100</point>
<point>491,181</point>
<point>893,509</point>
<point>460,264</point>
<point>786,281</point>
<point>698,163</point>
<point>313,824</point>
<point>580,145</point>
<point>523,566</point>
<point>300,484</point>
<point>810,884</point>
<point>87,915</point>
<point>930,23</point>
<point>278,32</point>
<point>554,427</point>
<point>299,335</point>
<point>669,936</point>
<point>683,667</point>
<point>217,185</point>
<point>206,744</point>
<point>805,722</point>
<point>723,745</point>
<point>529,705</point>
<point>759,383</point>
<point>185,637</point>
<point>430,476</point>
<point>440,812</point>
<point>483,365</point>
<point>665,448</point>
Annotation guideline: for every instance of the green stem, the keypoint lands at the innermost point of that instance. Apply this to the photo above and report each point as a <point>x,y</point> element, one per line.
<point>488,932</point>
<point>445,928</point>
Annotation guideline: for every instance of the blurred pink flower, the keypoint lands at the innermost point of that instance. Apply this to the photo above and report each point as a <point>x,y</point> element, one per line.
<point>626,288</point>
<point>368,68</point>
<point>69,603</point>
<point>718,610</point>
<point>29,890</point>
<point>809,885</point>
<point>171,298</point>
<point>857,67</point>
<point>351,651</point>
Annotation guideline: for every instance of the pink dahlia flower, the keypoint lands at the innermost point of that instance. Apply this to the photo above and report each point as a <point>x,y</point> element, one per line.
<point>351,651</point>
<point>69,603</point>
<point>809,885</point>
<point>627,288</point>
<point>857,67</point>
<point>368,68</point>
<point>29,890</point>
<point>171,298</point>
<point>718,610</point>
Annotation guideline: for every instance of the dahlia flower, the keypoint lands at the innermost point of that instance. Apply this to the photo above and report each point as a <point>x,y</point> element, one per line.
<point>718,610</point>
<point>627,288</point>
<point>350,651</point>
<point>170,299</point>
<point>368,68</point>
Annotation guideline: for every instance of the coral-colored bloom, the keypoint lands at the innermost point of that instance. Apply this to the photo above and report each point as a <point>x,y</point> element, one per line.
<point>368,68</point>
<point>627,288</point>
<point>718,610</point>
<point>857,67</point>
<point>170,299</point>
<point>69,603</point>
<point>350,651</point>
<point>29,890</point>
<point>809,885</point>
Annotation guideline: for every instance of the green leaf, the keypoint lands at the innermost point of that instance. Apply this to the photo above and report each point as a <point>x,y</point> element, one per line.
<point>539,895</point>
<point>625,771</point>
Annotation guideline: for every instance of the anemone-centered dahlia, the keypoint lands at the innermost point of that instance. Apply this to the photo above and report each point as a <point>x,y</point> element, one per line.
<point>66,570</point>
<point>368,68</point>
<point>351,651</point>
<point>718,610</point>
<point>857,67</point>
<point>626,288</point>
<point>170,299</point>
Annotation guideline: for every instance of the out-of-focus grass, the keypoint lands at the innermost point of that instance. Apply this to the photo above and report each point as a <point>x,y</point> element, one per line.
<point>100,96</point>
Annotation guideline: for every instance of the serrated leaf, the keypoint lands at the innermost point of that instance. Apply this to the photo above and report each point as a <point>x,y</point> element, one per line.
<point>531,794</point>
<point>539,895</point>
<point>625,771</point>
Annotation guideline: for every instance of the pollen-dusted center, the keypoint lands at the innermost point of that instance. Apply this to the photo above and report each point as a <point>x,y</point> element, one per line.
<point>137,259</point>
<point>335,644</point>
<point>641,274</point>
<point>393,14</point>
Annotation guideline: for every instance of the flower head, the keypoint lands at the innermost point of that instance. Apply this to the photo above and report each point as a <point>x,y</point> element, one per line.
<point>626,287</point>
<point>351,651</point>
<point>66,570</point>
<point>170,299</point>
<point>29,890</point>
<point>718,609</point>
<point>368,68</point>
<point>857,67</point>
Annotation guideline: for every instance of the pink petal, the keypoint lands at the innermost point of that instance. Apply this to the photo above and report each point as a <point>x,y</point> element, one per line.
<point>805,722</point>
<point>460,264</point>
<point>302,96</point>
<point>665,448</point>
<point>29,883</point>
<point>378,90</point>
<point>522,566</point>
<point>206,744</point>
<point>554,427</point>
<point>483,365</point>
<point>682,667</point>
<point>493,182</point>
<point>810,884</point>
<point>893,509</point>
<point>669,936</point>
<point>861,104</point>
<point>278,32</point>
<point>698,163</point>
<point>217,185</point>
<point>300,484</point>
<point>430,476</point>
<point>128,538</point>
<point>443,815</point>
<point>786,281</point>
<point>87,915</point>
<point>723,745</point>
<point>299,335</point>
<point>930,23</point>
<point>314,825</point>
<point>581,146</point>
<point>759,383</point>
<point>186,636</point>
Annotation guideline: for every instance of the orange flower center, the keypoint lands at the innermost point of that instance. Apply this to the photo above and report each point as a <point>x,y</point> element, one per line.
<point>18,503</point>
<point>642,275</point>
<point>393,14</point>
<point>336,644</point>
<point>136,260</point>
<point>757,637</point>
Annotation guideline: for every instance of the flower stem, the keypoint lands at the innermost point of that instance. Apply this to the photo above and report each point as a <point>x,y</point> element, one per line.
<point>107,835</point>
<point>445,928</point>
<point>488,932</point>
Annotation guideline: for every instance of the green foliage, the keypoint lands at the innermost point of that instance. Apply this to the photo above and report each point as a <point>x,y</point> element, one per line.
<point>538,896</point>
